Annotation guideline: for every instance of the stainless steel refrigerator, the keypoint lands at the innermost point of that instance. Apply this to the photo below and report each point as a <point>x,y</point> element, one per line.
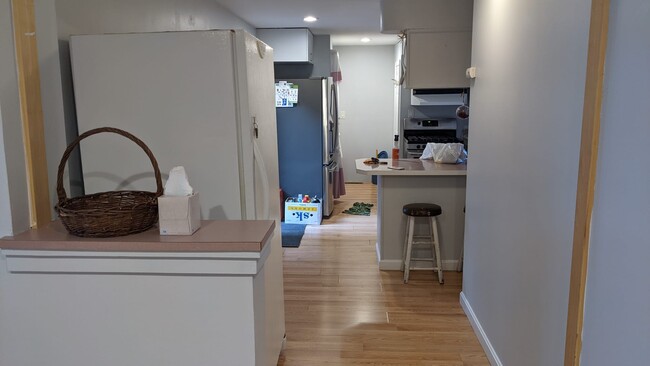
<point>307,133</point>
<point>200,99</point>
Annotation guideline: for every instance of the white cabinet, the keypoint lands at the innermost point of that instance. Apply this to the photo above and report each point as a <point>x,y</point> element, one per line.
<point>289,44</point>
<point>437,60</point>
<point>143,299</point>
<point>438,15</point>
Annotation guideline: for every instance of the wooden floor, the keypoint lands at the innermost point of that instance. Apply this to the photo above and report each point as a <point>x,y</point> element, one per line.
<point>341,310</point>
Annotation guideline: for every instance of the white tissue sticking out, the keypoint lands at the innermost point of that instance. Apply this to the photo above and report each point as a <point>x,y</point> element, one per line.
<point>177,183</point>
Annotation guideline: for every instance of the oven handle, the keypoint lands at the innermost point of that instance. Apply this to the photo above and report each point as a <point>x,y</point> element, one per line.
<point>413,154</point>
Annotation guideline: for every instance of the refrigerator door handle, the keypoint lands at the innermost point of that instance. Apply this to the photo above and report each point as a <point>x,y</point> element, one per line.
<point>259,160</point>
<point>331,166</point>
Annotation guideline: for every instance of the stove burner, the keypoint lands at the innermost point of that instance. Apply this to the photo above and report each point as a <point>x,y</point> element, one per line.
<point>426,139</point>
<point>421,141</point>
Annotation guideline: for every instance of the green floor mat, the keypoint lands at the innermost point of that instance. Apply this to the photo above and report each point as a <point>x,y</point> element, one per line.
<point>359,208</point>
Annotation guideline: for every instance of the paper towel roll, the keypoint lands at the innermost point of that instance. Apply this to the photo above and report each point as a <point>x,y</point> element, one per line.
<point>177,183</point>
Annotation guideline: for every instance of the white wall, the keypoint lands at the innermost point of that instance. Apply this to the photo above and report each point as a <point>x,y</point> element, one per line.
<point>525,122</point>
<point>14,200</point>
<point>97,16</point>
<point>617,316</point>
<point>366,97</point>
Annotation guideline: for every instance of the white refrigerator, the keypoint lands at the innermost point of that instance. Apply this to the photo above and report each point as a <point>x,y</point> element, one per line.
<point>201,99</point>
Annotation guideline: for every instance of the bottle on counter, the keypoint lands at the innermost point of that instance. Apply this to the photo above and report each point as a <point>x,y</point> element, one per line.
<point>395,152</point>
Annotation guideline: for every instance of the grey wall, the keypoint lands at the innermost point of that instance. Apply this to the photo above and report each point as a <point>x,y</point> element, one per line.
<point>52,98</point>
<point>526,111</point>
<point>617,316</point>
<point>14,200</point>
<point>322,47</point>
<point>366,97</point>
<point>5,205</point>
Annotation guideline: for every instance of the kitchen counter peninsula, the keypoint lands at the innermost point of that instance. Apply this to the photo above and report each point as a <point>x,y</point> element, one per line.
<point>412,167</point>
<point>142,299</point>
<point>420,181</point>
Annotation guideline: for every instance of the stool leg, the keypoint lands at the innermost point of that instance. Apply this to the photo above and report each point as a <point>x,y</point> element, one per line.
<point>409,248</point>
<point>406,242</point>
<point>436,245</point>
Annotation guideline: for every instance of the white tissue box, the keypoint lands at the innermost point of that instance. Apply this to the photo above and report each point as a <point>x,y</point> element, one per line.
<point>179,215</point>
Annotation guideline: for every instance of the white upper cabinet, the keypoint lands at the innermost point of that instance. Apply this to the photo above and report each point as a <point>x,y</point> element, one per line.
<point>289,44</point>
<point>439,40</point>
<point>437,59</point>
<point>438,15</point>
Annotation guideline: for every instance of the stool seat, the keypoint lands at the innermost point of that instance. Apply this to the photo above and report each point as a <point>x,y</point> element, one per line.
<point>422,209</point>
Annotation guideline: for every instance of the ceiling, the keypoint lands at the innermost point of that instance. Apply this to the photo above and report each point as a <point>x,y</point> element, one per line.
<point>346,20</point>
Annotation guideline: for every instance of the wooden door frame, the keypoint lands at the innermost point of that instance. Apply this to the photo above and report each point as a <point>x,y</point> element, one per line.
<point>29,86</point>
<point>586,177</point>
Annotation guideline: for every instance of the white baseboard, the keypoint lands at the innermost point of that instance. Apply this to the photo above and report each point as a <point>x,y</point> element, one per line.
<point>390,265</point>
<point>396,264</point>
<point>480,333</point>
<point>378,253</point>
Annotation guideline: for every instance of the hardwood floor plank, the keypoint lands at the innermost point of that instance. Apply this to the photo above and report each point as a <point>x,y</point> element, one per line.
<point>341,310</point>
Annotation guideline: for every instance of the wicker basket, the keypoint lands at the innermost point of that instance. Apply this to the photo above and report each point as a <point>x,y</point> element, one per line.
<point>108,214</point>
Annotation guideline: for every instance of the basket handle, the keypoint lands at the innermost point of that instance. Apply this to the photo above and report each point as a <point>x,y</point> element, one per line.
<point>60,191</point>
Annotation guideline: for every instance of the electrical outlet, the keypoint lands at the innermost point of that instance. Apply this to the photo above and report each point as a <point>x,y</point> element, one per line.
<point>342,114</point>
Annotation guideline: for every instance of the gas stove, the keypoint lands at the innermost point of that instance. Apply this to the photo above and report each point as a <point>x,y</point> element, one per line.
<point>419,132</point>
<point>419,142</point>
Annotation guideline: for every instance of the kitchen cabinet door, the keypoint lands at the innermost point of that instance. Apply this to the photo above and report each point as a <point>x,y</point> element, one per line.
<point>437,59</point>
<point>293,45</point>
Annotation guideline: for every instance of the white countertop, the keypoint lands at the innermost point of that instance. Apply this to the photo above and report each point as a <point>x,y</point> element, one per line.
<point>412,167</point>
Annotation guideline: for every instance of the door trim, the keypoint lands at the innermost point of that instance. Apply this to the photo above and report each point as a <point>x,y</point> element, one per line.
<point>29,86</point>
<point>590,139</point>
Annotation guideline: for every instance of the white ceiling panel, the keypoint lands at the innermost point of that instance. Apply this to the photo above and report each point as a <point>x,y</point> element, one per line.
<point>345,20</point>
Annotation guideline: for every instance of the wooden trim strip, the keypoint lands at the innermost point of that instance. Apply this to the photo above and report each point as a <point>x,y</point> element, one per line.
<point>29,84</point>
<point>586,177</point>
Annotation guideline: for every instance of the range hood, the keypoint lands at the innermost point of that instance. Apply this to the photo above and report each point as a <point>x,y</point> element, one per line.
<point>424,97</point>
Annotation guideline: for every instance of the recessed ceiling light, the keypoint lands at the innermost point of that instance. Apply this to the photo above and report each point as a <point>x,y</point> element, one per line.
<point>365,39</point>
<point>310,19</point>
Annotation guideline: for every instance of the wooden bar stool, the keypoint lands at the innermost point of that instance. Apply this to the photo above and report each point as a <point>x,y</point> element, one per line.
<point>424,210</point>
